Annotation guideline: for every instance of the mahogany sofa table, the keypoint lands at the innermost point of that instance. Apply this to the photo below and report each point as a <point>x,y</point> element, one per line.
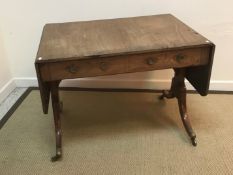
<point>118,46</point>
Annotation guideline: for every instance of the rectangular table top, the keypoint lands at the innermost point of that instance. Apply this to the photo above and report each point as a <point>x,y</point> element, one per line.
<point>100,38</point>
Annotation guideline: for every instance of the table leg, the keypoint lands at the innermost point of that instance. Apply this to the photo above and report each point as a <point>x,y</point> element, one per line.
<point>57,119</point>
<point>178,90</point>
<point>61,106</point>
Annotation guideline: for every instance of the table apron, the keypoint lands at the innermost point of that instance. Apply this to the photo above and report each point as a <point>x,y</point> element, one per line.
<point>100,66</point>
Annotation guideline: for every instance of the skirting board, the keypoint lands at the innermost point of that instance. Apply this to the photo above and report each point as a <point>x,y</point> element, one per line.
<point>108,83</point>
<point>123,83</point>
<point>7,89</point>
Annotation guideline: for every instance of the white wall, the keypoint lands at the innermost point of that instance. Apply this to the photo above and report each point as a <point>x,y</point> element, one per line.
<point>5,74</point>
<point>6,83</point>
<point>22,23</point>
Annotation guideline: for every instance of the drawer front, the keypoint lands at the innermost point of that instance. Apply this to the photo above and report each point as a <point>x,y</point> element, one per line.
<point>171,59</point>
<point>125,64</point>
<point>87,68</point>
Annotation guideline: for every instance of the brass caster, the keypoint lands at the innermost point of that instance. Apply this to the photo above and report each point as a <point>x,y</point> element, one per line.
<point>194,141</point>
<point>57,156</point>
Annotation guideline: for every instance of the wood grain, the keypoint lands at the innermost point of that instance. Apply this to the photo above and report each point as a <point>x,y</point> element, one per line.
<point>124,64</point>
<point>80,40</point>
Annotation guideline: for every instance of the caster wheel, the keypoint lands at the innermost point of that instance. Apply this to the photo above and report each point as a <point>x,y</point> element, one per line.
<point>194,141</point>
<point>55,158</point>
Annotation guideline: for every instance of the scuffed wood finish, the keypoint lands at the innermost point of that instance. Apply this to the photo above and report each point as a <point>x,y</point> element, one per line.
<point>123,38</point>
<point>79,40</point>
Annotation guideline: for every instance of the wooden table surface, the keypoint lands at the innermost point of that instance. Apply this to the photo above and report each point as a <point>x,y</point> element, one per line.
<point>86,39</point>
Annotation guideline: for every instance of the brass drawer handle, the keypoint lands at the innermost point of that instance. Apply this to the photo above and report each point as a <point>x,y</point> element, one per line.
<point>180,57</point>
<point>103,66</point>
<point>150,61</point>
<point>72,69</point>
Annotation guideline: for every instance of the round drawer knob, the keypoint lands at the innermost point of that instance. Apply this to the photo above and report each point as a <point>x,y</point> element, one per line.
<point>150,61</point>
<point>180,57</point>
<point>103,66</point>
<point>72,68</point>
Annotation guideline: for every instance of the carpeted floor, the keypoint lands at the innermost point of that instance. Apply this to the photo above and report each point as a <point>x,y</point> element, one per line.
<point>120,133</point>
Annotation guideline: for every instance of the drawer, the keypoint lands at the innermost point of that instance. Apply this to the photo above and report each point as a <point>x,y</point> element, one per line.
<point>170,59</point>
<point>124,64</point>
<point>87,68</point>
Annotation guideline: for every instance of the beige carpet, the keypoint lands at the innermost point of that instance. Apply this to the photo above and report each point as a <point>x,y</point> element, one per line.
<point>120,133</point>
